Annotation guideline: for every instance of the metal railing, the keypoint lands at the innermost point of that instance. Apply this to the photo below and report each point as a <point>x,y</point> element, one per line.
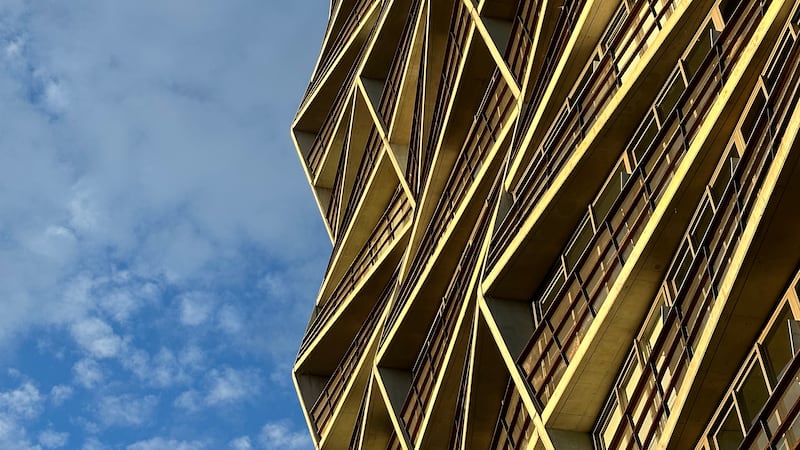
<point>353,21</point>
<point>587,282</point>
<point>693,279</point>
<point>520,42</point>
<point>430,359</point>
<point>513,429</point>
<point>396,216</point>
<point>391,90</point>
<point>365,168</point>
<point>334,206</point>
<point>493,112</point>
<point>601,78</point>
<point>331,394</point>
<point>460,24</point>
<point>461,403</point>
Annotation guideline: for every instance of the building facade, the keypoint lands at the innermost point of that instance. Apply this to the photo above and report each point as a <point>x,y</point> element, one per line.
<point>566,224</point>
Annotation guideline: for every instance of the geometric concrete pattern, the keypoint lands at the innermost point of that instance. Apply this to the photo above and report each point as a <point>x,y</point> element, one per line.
<point>556,224</point>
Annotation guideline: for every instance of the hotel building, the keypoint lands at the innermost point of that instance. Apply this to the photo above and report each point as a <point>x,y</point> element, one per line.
<point>556,224</point>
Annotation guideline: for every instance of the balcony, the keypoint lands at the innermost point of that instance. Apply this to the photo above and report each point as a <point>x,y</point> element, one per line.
<point>397,70</point>
<point>459,31</point>
<point>416,141</point>
<point>594,257</point>
<point>542,74</point>
<point>457,433</point>
<point>365,168</point>
<point>322,140</point>
<point>358,431</point>
<point>493,114</point>
<point>520,43</point>
<point>762,403</point>
<point>389,229</point>
<point>355,20</point>
<point>330,397</point>
<point>431,360</point>
<point>689,292</point>
<point>333,212</point>
<point>603,76</point>
<point>514,428</point>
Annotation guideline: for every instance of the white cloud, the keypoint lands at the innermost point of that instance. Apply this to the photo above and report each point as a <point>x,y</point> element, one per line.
<point>279,436</point>
<point>166,444</point>
<point>126,410</point>
<point>25,401</point>
<point>195,308</point>
<point>230,319</point>
<point>60,393</point>
<point>53,439</point>
<point>88,373</point>
<point>189,401</point>
<point>13,436</point>
<point>97,337</point>
<point>93,443</point>
<point>229,385</point>
<point>240,443</point>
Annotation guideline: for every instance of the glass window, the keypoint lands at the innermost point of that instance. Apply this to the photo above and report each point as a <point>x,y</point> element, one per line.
<point>644,137</point>
<point>724,173</point>
<point>753,120</point>
<point>702,45</point>
<point>752,394</point>
<point>727,8</point>
<point>729,435</point>
<point>669,97</point>
<point>778,59</point>
<point>609,193</point>
<point>578,244</point>
<point>777,346</point>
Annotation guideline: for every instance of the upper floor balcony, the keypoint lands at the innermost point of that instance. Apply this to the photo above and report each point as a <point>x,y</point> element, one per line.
<point>626,38</point>
<point>389,230</point>
<point>691,290</point>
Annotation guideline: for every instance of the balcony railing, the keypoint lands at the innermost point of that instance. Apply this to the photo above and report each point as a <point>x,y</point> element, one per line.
<point>520,43</point>
<point>358,432</point>
<point>371,153</point>
<point>430,359</point>
<point>334,207</point>
<point>385,232</point>
<point>603,76</point>
<point>595,256</point>
<point>457,40</point>
<point>513,429</point>
<point>391,89</point>
<point>413,166</point>
<point>353,21</point>
<point>762,402</point>
<point>325,134</point>
<point>543,75</point>
<point>461,404</point>
<point>689,291</point>
<point>331,394</point>
<point>394,442</point>
<point>493,113</point>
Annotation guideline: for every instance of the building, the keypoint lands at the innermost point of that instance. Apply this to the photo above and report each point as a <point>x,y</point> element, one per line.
<point>556,224</point>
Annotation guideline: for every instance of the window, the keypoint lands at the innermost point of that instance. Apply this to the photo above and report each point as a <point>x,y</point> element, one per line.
<point>670,96</point>
<point>610,192</point>
<point>729,434</point>
<point>702,45</point>
<point>777,346</point>
<point>752,394</point>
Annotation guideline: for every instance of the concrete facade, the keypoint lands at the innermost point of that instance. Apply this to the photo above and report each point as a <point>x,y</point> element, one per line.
<point>555,225</point>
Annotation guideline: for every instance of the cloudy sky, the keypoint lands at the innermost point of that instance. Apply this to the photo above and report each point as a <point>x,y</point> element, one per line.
<point>159,246</point>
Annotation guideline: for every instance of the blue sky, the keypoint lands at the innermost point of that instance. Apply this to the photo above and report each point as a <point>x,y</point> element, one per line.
<point>159,247</point>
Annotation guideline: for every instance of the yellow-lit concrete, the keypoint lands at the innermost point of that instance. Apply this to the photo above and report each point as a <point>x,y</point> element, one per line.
<point>514,190</point>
